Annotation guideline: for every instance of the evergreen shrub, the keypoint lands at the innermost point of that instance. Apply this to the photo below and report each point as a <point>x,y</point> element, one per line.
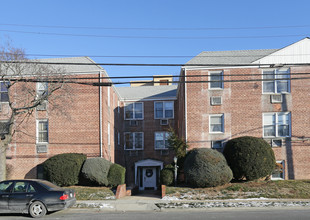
<point>116,175</point>
<point>205,167</point>
<point>95,172</point>
<point>167,176</point>
<point>64,169</point>
<point>250,158</point>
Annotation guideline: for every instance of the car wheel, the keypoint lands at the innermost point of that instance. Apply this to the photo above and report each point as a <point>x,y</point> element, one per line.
<point>37,209</point>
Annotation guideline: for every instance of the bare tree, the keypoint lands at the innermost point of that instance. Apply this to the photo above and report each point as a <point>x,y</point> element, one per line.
<point>23,88</point>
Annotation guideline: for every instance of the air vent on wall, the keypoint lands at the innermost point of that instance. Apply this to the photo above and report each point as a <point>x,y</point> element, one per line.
<point>41,148</point>
<point>276,142</point>
<point>216,100</point>
<point>42,106</point>
<point>276,98</point>
<point>133,123</point>
<point>163,121</point>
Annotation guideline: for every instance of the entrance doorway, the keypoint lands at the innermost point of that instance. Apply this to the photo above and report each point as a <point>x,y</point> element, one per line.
<point>147,174</point>
<point>149,178</point>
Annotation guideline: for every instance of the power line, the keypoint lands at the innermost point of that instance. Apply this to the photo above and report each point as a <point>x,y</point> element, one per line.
<point>163,56</point>
<point>154,37</point>
<point>157,29</point>
<point>151,64</point>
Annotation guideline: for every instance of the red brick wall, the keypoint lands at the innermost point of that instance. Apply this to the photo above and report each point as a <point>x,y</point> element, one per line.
<point>243,106</point>
<point>149,126</point>
<point>73,128</point>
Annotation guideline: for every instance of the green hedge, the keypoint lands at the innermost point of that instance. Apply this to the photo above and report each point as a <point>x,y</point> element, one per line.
<point>167,176</point>
<point>250,158</point>
<point>95,172</point>
<point>206,167</point>
<point>64,169</point>
<point>116,175</point>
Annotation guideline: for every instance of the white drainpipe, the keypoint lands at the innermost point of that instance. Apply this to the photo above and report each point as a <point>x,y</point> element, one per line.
<point>100,116</point>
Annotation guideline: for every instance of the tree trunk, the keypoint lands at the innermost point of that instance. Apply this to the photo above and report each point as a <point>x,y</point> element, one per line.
<point>2,161</point>
<point>4,143</point>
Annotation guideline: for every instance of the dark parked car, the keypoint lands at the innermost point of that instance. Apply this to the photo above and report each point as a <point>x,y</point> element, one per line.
<point>35,197</point>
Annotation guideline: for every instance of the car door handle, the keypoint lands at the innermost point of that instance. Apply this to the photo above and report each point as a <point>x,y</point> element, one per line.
<point>5,196</point>
<point>29,195</point>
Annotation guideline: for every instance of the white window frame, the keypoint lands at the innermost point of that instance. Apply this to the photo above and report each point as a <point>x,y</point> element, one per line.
<point>282,162</point>
<point>276,80</point>
<point>41,91</point>
<point>221,72</point>
<point>276,124</point>
<point>133,139</point>
<point>166,135</point>
<point>118,138</point>
<point>134,115</point>
<point>223,124</point>
<point>37,131</point>
<point>164,110</point>
<point>4,91</point>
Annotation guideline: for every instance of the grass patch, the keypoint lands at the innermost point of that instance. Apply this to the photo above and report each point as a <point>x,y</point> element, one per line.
<point>92,193</point>
<point>286,189</point>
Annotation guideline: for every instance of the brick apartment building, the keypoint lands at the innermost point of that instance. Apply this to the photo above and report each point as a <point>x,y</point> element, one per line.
<point>146,113</point>
<point>82,124</point>
<point>237,101</point>
<point>246,92</point>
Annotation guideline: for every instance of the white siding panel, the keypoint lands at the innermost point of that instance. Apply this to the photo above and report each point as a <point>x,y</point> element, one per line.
<point>298,52</point>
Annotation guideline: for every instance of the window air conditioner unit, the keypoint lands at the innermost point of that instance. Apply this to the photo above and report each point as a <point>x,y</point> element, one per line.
<point>276,142</point>
<point>133,123</point>
<point>164,122</point>
<point>164,152</point>
<point>41,148</point>
<point>133,153</point>
<point>42,106</point>
<point>216,100</point>
<point>276,98</point>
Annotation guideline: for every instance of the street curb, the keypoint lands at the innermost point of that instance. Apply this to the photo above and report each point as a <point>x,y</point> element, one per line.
<point>161,205</point>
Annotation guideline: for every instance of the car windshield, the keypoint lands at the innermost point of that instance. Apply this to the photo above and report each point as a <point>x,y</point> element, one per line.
<point>49,185</point>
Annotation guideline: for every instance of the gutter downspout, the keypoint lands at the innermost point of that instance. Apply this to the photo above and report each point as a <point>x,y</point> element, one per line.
<point>185,100</point>
<point>100,116</point>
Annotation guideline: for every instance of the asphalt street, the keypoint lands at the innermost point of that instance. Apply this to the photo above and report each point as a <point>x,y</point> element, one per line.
<point>222,214</point>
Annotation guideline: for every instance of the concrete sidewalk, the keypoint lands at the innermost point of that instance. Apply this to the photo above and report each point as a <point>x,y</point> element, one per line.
<point>146,203</point>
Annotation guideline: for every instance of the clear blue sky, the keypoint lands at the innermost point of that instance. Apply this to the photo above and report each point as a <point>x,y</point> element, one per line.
<point>163,28</point>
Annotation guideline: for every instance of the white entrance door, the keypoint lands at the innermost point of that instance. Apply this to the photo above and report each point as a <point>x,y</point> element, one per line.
<point>149,178</point>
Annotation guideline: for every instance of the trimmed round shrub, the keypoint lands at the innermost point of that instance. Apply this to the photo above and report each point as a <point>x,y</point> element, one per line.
<point>250,158</point>
<point>205,167</point>
<point>167,176</point>
<point>64,169</point>
<point>95,172</point>
<point>116,175</point>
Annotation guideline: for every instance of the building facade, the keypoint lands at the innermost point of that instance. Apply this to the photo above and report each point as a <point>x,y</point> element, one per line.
<point>261,93</point>
<point>146,115</point>
<point>221,95</point>
<point>82,122</point>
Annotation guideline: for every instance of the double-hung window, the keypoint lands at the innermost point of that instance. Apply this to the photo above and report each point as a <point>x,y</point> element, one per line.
<point>277,124</point>
<point>42,131</point>
<point>134,111</point>
<point>42,89</point>
<point>276,81</point>
<point>133,141</point>
<point>216,123</point>
<point>161,140</point>
<point>42,93</point>
<point>164,110</point>
<point>4,95</point>
<point>216,80</point>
